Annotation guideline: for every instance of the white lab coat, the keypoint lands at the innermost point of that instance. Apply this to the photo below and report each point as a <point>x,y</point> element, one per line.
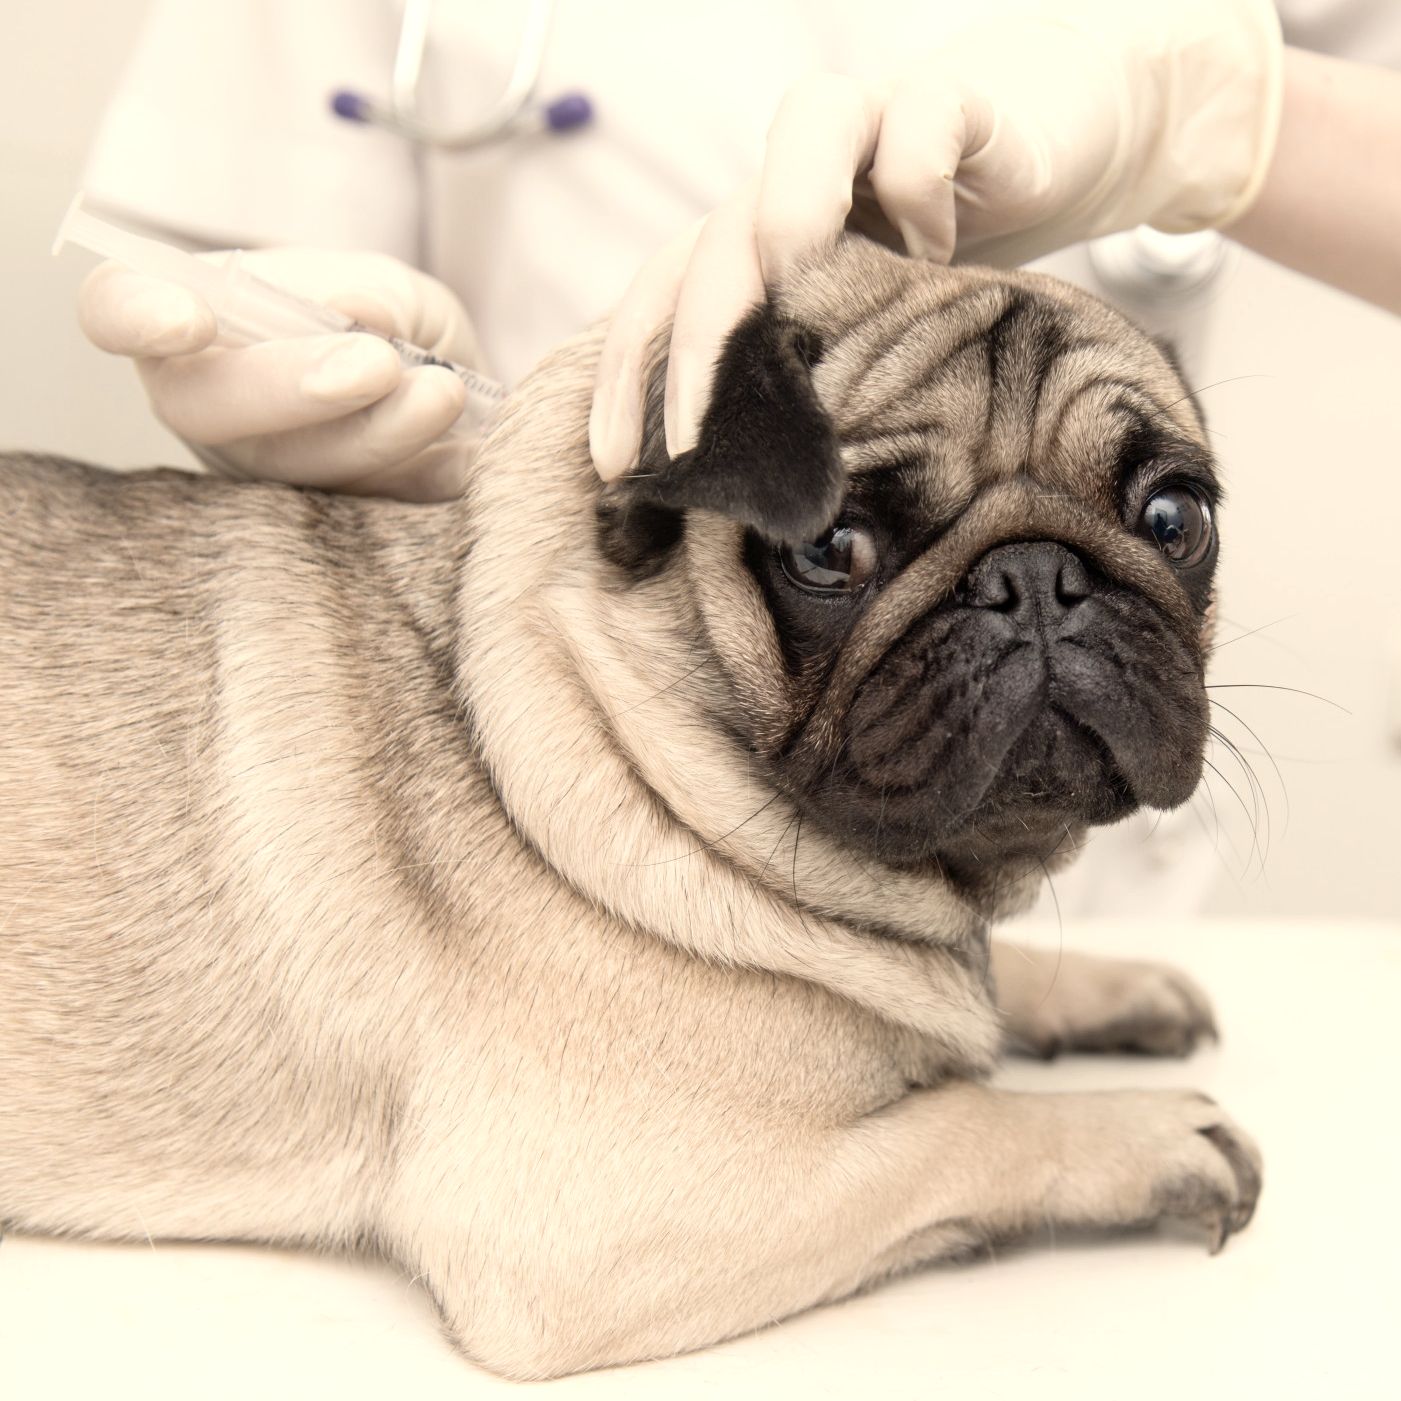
<point>221,130</point>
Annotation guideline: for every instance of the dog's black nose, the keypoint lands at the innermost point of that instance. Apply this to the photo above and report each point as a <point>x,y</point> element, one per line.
<point>1039,582</point>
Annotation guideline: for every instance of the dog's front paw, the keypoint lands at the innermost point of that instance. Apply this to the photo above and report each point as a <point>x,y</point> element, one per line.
<point>1152,1156</point>
<point>1216,1176</point>
<point>1075,1002</point>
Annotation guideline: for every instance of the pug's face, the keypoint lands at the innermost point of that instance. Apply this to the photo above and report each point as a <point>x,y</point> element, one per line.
<point>951,535</point>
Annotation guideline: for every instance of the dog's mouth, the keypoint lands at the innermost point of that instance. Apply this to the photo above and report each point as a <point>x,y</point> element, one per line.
<point>1058,775</point>
<point>970,744</point>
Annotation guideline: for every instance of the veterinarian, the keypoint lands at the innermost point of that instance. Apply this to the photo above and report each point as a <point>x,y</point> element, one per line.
<point>1007,141</point>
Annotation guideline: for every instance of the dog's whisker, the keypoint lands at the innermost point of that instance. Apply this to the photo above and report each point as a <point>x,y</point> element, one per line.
<point>763,871</point>
<point>1259,798</point>
<point>1268,686</point>
<point>1254,632</point>
<point>1060,935</point>
<point>670,686</point>
<point>1265,749</point>
<point>1205,787</point>
<point>1259,802</point>
<point>1215,838</point>
<point>1215,384</point>
<point>797,903</point>
<point>1249,817</point>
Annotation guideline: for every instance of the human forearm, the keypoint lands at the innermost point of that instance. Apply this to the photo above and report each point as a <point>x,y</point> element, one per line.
<point>1331,202</point>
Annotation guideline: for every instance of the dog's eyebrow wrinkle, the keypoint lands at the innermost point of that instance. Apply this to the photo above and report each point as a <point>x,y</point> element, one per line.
<point>1141,441</point>
<point>852,333</point>
<point>1130,391</point>
<point>1055,351</point>
<point>995,338</point>
<point>1017,346</point>
<point>901,295</point>
<point>909,405</point>
<point>898,348</point>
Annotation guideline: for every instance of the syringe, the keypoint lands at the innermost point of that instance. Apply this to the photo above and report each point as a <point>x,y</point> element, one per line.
<point>247,309</point>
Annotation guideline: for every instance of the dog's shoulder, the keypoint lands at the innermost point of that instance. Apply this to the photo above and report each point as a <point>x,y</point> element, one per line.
<point>52,506</point>
<point>46,476</point>
<point>54,502</point>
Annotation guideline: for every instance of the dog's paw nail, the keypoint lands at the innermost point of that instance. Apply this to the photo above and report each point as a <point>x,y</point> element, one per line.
<point>1220,1234</point>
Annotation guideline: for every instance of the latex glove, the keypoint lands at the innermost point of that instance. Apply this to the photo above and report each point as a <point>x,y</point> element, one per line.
<point>333,411</point>
<point>1069,121</point>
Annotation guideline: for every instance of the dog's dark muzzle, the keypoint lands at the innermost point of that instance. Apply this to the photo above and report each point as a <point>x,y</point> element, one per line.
<point>1040,694</point>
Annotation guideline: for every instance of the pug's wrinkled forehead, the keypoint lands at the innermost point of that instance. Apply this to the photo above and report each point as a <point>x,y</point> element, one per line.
<point>952,532</point>
<point>994,374</point>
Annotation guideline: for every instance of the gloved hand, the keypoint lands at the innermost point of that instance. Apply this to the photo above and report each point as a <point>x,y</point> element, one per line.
<point>1075,119</point>
<point>334,411</point>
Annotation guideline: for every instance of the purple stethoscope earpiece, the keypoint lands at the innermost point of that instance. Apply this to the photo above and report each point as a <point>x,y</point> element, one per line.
<point>351,106</point>
<point>567,113</point>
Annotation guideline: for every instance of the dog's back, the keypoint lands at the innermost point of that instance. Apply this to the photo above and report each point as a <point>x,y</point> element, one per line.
<point>189,713</point>
<point>107,689</point>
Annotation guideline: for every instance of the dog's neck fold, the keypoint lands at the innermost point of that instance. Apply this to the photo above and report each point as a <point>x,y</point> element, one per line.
<point>589,705</point>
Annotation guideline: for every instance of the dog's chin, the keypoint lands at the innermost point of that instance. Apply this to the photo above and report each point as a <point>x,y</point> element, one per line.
<point>1022,783</point>
<point>1056,776</point>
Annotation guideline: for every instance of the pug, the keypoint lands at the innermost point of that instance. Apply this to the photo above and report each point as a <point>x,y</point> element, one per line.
<point>582,895</point>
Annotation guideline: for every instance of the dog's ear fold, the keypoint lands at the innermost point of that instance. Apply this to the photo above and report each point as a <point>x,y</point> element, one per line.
<point>767,453</point>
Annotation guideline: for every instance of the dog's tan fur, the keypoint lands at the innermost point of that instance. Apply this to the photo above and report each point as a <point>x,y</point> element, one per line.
<point>375,874</point>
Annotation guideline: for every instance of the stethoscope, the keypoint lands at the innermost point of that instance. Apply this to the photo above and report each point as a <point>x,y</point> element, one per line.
<point>514,113</point>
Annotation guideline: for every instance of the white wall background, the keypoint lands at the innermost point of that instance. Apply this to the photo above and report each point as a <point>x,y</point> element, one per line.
<point>1303,402</point>
<point>59,61</point>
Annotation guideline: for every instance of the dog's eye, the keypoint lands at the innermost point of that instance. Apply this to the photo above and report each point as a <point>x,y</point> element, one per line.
<point>838,562</point>
<point>1178,521</point>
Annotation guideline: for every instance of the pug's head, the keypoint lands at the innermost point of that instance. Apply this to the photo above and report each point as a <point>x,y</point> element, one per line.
<point>951,535</point>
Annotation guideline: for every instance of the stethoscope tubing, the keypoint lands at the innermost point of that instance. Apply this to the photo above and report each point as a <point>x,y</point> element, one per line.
<point>512,114</point>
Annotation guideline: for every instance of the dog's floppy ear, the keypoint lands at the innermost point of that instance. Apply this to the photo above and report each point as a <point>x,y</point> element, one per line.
<point>766,456</point>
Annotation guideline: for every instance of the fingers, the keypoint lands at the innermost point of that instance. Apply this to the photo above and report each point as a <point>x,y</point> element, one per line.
<point>275,387</point>
<point>377,289</point>
<point>381,449</point>
<point>723,280</point>
<point>822,137</point>
<point>923,138</point>
<point>128,313</point>
<point>335,411</point>
<point>438,473</point>
<point>908,139</point>
<point>371,287</point>
<point>828,131</point>
<point>615,420</point>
